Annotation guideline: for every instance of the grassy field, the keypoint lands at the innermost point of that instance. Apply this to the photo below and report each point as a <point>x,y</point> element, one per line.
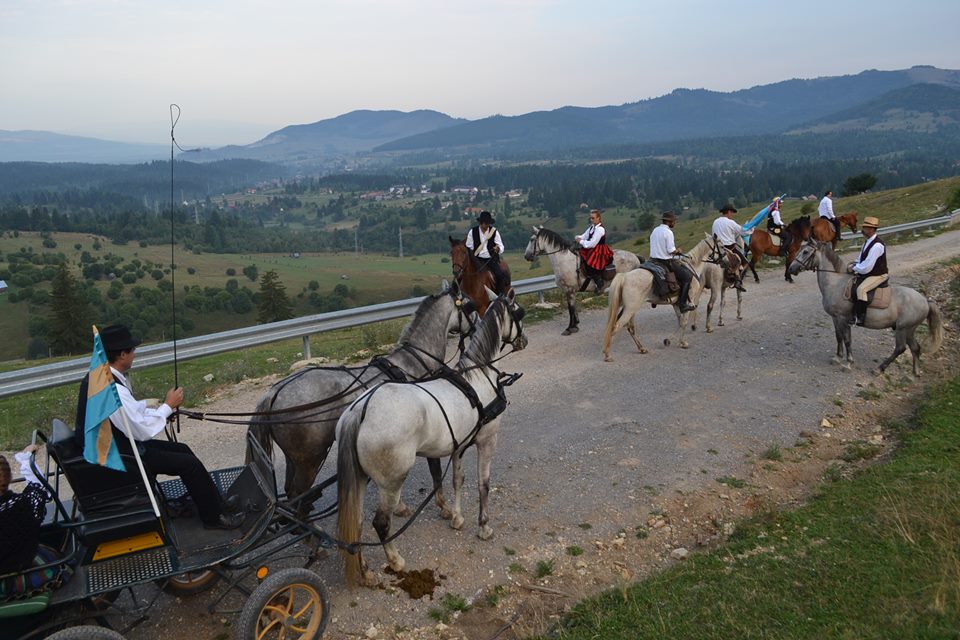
<point>874,557</point>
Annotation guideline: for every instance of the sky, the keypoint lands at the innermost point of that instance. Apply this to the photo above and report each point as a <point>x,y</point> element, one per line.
<point>240,69</point>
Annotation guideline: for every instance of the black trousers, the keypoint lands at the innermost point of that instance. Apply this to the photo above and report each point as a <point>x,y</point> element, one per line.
<point>493,264</point>
<point>684,276</point>
<point>177,459</point>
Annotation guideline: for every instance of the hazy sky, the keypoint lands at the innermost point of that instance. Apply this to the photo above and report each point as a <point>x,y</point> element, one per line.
<point>242,68</point>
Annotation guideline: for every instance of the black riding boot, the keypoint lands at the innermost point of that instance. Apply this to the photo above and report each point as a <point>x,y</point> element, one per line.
<point>598,283</point>
<point>785,242</point>
<point>859,316</point>
<point>683,299</point>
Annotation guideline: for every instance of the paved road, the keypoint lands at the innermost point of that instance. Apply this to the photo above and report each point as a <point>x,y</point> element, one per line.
<point>585,441</point>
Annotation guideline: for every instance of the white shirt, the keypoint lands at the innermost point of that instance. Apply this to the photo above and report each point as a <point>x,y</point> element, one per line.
<point>25,469</point>
<point>866,265</point>
<point>481,251</point>
<point>143,422</point>
<point>661,243</point>
<point>777,220</point>
<point>826,208</point>
<point>586,241</point>
<point>727,230</point>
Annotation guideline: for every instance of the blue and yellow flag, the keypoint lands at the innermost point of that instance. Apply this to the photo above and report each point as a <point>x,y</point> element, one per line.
<point>102,401</point>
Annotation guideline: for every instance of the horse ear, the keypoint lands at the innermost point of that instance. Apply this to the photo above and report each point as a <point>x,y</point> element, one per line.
<point>491,294</point>
<point>444,286</point>
<point>536,229</point>
<point>511,296</point>
<point>453,242</point>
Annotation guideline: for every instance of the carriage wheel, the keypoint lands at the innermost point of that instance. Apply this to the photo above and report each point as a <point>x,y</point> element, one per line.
<point>289,605</point>
<point>86,632</point>
<point>187,584</point>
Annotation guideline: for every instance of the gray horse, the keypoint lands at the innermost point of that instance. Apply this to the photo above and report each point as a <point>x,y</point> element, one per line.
<point>907,311</point>
<point>306,435</point>
<point>564,259</point>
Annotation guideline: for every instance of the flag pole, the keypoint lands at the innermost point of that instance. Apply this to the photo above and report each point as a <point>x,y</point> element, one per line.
<point>136,455</point>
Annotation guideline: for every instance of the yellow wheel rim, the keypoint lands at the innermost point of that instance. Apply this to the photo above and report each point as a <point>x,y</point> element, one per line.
<point>293,613</point>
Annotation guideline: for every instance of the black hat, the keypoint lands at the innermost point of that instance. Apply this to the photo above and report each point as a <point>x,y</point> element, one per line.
<point>117,337</point>
<point>668,216</point>
<point>485,216</point>
<point>728,207</point>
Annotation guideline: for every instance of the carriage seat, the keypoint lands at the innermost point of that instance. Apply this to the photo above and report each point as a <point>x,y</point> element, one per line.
<point>118,499</point>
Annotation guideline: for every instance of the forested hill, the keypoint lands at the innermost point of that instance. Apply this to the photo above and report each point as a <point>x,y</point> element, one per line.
<point>148,183</point>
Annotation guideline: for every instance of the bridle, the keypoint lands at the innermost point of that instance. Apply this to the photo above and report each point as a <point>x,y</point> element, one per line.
<point>537,251</point>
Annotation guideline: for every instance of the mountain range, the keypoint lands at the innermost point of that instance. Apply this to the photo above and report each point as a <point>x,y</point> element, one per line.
<point>921,99</point>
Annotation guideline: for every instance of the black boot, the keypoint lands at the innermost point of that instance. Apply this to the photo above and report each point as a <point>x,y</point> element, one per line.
<point>598,283</point>
<point>683,298</point>
<point>785,242</point>
<point>859,315</point>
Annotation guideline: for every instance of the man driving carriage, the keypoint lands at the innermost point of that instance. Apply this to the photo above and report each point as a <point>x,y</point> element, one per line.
<point>160,456</point>
<point>664,252</point>
<point>485,245</point>
<point>730,235</point>
<point>595,253</point>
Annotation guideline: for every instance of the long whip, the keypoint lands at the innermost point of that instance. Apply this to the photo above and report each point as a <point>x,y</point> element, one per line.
<point>173,266</point>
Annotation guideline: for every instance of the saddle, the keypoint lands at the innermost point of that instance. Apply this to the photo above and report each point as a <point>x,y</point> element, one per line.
<point>664,282</point>
<point>879,298</point>
<point>609,272</point>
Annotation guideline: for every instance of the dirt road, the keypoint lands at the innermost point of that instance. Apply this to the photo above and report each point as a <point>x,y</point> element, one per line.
<point>587,446</point>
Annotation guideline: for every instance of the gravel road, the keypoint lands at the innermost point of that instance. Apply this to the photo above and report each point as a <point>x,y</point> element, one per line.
<point>585,444</point>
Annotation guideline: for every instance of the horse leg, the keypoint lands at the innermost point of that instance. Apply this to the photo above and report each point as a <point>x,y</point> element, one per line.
<point>915,352</point>
<point>847,343</point>
<point>389,498</point>
<point>437,475</point>
<point>901,345</point>
<point>838,325</point>
<point>723,301</point>
<point>484,459</point>
<point>632,330</point>
<point>456,521</point>
<point>574,325</point>
<point>681,329</point>
<point>739,304</point>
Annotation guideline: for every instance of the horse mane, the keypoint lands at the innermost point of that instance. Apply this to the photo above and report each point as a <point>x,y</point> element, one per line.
<point>799,224</point>
<point>486,339</point>
<point>832,256</point>
<point>424,310</point>
<point>556,238</point>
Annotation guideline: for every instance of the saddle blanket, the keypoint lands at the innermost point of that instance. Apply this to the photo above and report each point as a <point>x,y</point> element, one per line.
<point>879,298</point>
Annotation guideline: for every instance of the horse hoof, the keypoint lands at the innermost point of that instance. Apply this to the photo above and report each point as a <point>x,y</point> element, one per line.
<point>572,330</point>
<point>368,579</point>
<point>402,511</point>
<point>397,564</point>
<point>721,323</point>
<point>456,522</point>
<point>684,345</point>
<point>666,342</point>
<point>710,329</point>
<point>565,332</point>
<point>446,514</point>
<point>642,350</point>
<point>485,532</point>
<point>607,359</point>
<point>739,317</point>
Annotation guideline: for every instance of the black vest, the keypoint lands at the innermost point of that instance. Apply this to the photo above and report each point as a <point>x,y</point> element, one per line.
<point>603,239</point>
<point>880,266</point>
<point>475,231</point>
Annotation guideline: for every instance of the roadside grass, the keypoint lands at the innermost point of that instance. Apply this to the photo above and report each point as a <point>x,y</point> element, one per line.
<point>877,556</point>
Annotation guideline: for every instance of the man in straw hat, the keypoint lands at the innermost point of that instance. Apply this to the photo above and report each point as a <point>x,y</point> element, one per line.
<point>870,268</point>
<point>664,251</point>
<point>728,233</point>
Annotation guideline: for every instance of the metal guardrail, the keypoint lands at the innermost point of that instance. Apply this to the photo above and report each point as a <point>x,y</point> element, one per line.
<point>71,371</point>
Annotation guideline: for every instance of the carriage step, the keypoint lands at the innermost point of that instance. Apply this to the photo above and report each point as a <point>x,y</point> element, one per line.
<point>222,478</point>
<point>110,575</point>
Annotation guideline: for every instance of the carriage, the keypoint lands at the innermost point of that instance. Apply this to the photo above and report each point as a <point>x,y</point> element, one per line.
<point>116,532</point>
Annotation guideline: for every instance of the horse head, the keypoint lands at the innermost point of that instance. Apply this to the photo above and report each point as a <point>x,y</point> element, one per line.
<point>511,320</point>
<point>463,315</point>
<point>850,219</point>
<point>801,227</point>
<point>458,257</point>
<point>533,246</point>
<point>808,257</point>
<point>718,253</point>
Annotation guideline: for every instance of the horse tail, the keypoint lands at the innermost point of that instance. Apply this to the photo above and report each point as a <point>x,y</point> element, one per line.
<point>260,430</point>
<point>613,308</point>
<point>935,324</point>
<point>351,482</point>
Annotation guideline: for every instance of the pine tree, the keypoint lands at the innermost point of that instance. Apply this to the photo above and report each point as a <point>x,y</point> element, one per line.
<point>69,327</point>
<point>274,304</point>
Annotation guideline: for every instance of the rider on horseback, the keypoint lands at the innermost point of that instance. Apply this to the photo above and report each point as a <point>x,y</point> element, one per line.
<point>776,227</point>
<point>729,234</point>
<point>871,269</point>
<point>826,211</point>
<point>663,251</point>
<point>485,245</point>
<point>595,254</point>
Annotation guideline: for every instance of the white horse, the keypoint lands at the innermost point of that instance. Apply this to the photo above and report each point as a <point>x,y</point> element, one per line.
<point>630,291</point>
<point>907,311</point>
<point>714,277</point>
<point>381,434</point>
<point>565,260</point>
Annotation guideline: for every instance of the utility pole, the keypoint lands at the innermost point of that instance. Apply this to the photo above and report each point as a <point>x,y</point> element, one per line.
<point>401,242</point>
<point>356,244</point>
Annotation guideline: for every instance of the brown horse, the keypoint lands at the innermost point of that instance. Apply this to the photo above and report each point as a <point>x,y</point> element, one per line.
<point>473,282</point>
<point>761,244</point>
<point>823,229</point>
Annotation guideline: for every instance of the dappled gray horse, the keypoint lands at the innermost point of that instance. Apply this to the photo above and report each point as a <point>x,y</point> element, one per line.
<point>907,311</point>
<point>306,435</point>
<point>380,436</point>
<point>564,259</point>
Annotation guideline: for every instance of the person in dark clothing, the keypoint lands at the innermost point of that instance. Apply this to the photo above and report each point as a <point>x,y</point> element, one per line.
<point>143,423</point>
<point>21,515</point>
